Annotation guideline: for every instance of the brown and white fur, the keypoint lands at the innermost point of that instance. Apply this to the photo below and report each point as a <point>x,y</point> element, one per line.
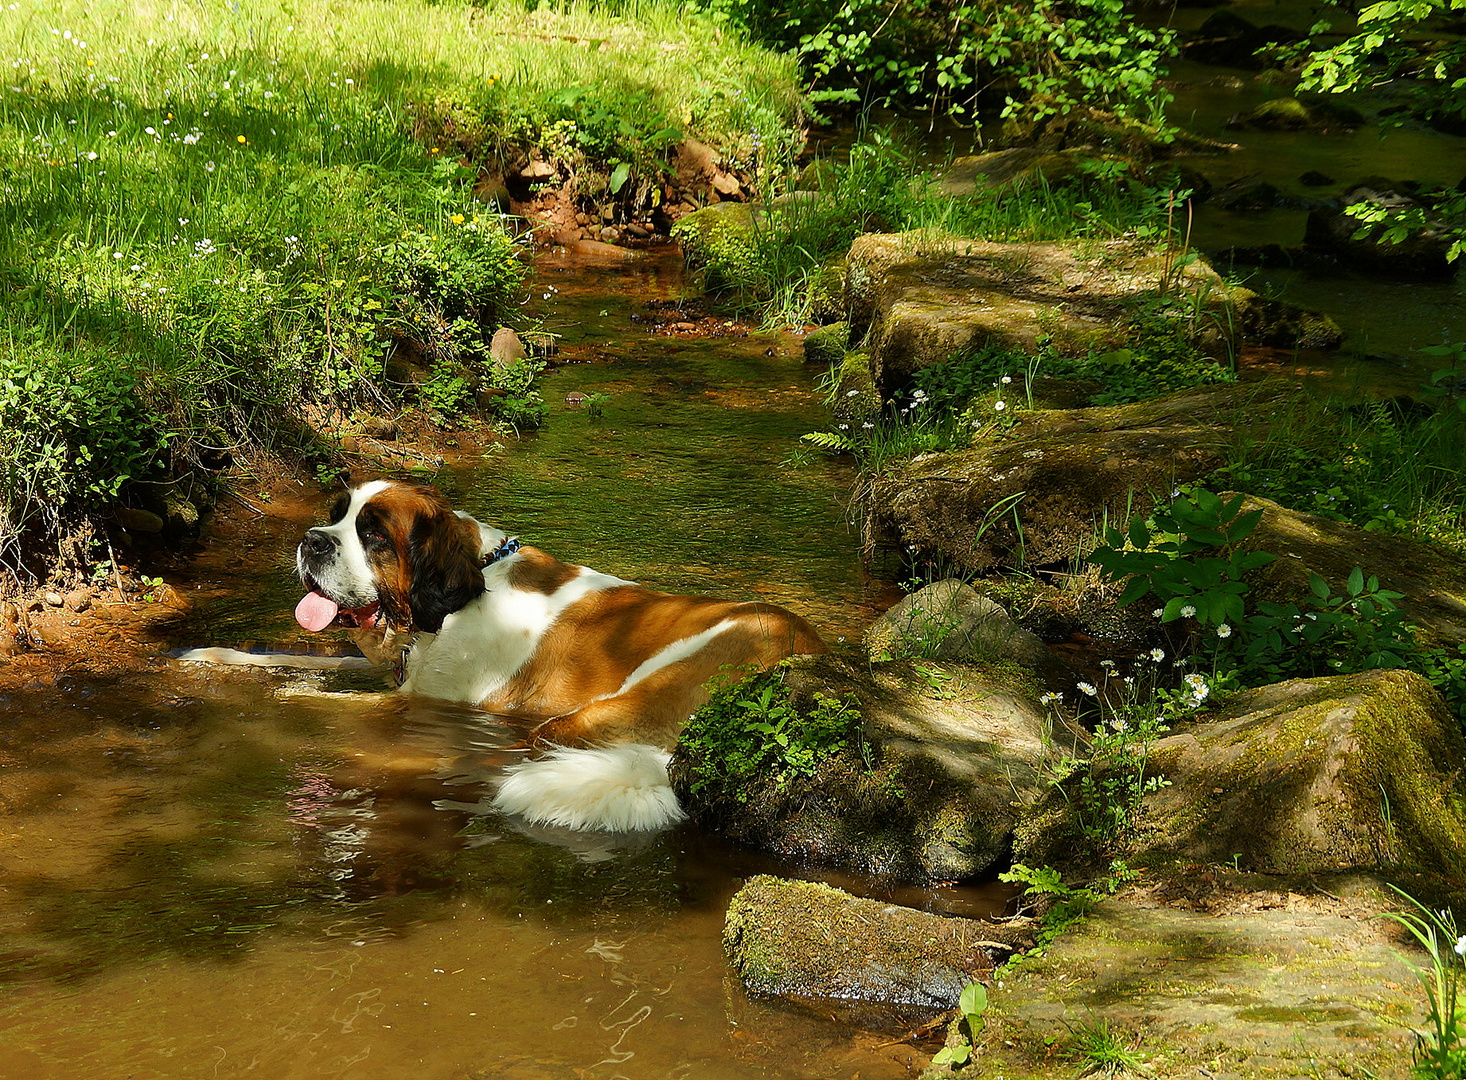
<point>606,670</point>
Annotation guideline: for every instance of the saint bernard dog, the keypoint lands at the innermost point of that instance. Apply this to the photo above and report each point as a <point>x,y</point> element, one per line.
<point>604,671</point>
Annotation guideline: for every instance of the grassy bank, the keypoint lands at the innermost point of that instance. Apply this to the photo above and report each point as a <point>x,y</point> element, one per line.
<point>774,266</point>
<point>225,228</point>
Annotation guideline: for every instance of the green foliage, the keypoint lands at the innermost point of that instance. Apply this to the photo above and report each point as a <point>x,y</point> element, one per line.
<point>1357,630</point>
<point>1440,1051</point>
<point>1067,904</point>
<point>1382,465</point>
<point>1170,555</point>
<point>943,54</point>
<point>1395,43</point>
<point>750,731</point>
<point>74,429</point>
<point>1184,554</point>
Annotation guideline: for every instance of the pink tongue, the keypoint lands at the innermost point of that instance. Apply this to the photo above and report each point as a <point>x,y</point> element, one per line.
<point>316,612</point>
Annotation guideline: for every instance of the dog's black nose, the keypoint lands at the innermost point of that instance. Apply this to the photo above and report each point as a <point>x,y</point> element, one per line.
<point>317,542</point>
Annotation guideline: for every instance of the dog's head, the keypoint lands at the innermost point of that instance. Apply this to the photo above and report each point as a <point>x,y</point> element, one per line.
<point>394,554</point>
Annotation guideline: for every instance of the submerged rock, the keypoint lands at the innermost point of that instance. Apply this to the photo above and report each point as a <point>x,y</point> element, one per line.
<point>805,939</point>
<point>1290,114</point>
<point>1061,474</point>
<point>949,757</point>
<point>1421,252</point>
<point>1283,325</point>
<point>1304,776</point>
<point>926,296</point>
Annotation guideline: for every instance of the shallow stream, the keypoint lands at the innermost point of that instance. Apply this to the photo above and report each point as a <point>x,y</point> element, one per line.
<point>222,872</point>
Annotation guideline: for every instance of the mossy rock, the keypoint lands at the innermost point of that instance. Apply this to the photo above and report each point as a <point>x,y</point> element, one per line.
<point>853,397</point>
<point>1301,777</point>
<point>827,345</point>
<point>1432,582</point>
<point>949,755</point>
<point>950,620</point>
<point>1272,982</point>
<point>1421,253</point>
<point>1063,472</point>
<point>1290,114</point>
<point>720,238</point>
<point>808,940</point>
<point>1007,168</point>
<point>921,298</point>
<point>1283,325</point>
<point>825,294</point>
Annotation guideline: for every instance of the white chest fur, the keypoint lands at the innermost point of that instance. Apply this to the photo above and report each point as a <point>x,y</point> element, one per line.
<point>482,645</point>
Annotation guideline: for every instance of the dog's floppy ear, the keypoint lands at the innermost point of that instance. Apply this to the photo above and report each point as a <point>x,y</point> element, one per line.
<point>447,572</point>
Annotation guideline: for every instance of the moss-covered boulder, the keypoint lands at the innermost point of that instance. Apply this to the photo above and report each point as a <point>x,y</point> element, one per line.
<point>1290,114</point>
<point>950,620</point>
<point>719,239</point>
<point>827,345</point>
<point>946,758</point>
<point>1304,776</point>
<point>924,297</point>
<point>807,940</point>
<point>1060,474</point>
<point>1259,980</point>
<point>825,292</point>
<point>1432,582</point>
<point>1265,321</point>
<point>853,397</point>
<point>1005,168</point>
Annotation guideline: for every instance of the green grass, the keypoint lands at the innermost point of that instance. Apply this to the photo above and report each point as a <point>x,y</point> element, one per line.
<point>1386,466</point>
<point>245,223</point>
<point>774,267</point>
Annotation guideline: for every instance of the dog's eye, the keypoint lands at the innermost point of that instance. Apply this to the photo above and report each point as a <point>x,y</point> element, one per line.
<point>373,534</point>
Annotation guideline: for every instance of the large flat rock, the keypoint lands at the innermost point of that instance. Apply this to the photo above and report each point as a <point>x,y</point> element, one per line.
<point>927,296</point>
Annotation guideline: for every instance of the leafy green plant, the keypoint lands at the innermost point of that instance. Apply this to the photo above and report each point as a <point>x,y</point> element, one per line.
<point>971,1006</point>
<point>751,729</point>
<point>1440,1052</point>
<point>1356,630</point>
<point>1185,554</point>
<point>946,53</point>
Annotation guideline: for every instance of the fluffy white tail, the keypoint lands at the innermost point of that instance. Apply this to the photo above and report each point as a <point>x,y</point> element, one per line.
<point>618,788</point>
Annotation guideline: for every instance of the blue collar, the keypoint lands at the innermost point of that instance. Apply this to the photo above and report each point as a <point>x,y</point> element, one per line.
<point>503,551</point>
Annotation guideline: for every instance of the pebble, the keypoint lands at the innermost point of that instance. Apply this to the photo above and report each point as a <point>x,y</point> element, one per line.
<point>55,599</point>
<point>78,600</point>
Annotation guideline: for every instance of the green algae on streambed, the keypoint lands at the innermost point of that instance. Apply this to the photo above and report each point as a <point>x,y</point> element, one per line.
<point>229,872</point>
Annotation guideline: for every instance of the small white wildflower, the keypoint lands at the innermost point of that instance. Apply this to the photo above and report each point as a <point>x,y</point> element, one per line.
<point>190,139</point>
<point>1006,379</point>
<point>1223,630</point>
<point>867,426</point>
<point>1460,946</point>
<point>150,130</point>
<point>1048,699</point>
<point>1000,406</point>
<point>1087,689</point>
<point>852,393</point>
<point>1157,655</point>
<point>1157,613</point>
<point>1188,611</point>
<point>1119,725</point>
<point>1107,663</point>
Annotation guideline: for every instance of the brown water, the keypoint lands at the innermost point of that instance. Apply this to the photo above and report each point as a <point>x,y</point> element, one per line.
<point>215,872</point>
